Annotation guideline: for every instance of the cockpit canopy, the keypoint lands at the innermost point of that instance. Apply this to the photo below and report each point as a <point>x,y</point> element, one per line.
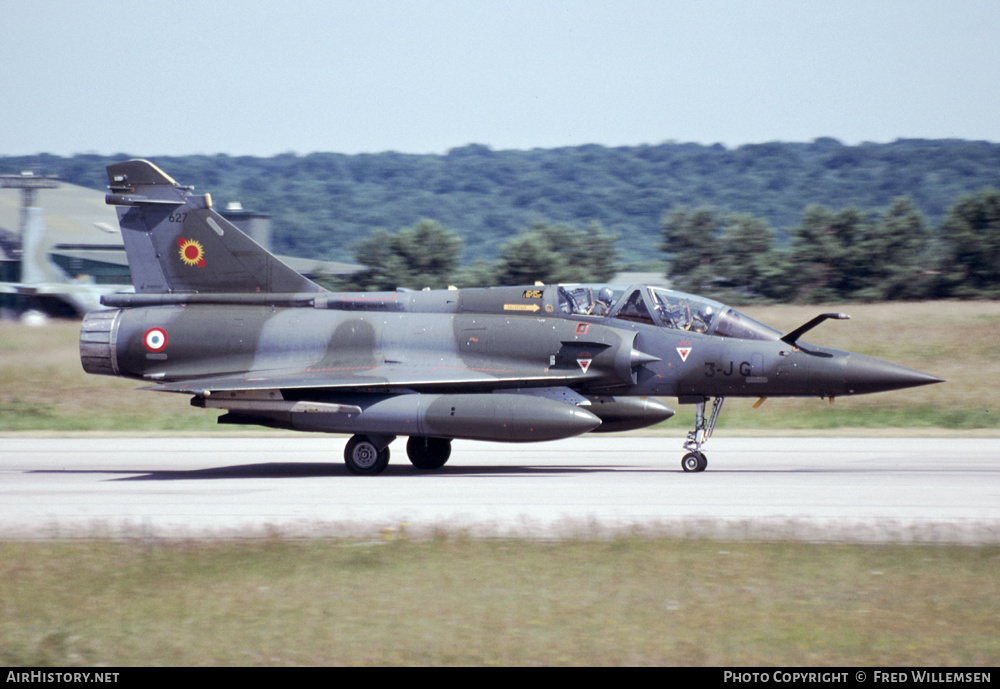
<point>662,307</point>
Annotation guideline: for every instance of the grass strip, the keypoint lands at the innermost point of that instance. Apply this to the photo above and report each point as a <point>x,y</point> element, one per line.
<point>455,600</point>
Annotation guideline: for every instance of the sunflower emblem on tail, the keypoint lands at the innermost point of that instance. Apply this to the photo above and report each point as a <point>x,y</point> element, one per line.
<point>191,251</point>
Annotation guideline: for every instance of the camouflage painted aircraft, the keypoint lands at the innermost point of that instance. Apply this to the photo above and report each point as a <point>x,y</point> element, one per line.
<point>216,316</point>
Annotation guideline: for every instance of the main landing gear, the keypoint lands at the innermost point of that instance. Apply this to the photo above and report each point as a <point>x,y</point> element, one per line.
<point>366,456</point>
<point>369,455</point>
<point>428,453</point>
<point>695,459</point>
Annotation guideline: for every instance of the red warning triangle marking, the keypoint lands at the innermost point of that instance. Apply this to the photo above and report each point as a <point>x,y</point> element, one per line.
<point>684,351</point>
<point>584,364</point>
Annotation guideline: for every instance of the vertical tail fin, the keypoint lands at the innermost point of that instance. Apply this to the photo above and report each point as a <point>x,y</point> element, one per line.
<point>35,265</point>
<point>175,242</point>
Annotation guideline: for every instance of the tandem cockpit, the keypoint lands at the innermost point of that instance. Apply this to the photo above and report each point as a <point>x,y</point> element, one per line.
<point>661,307</point>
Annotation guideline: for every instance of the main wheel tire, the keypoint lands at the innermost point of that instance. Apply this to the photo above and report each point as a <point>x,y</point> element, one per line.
<point>694,461</point>
<point>364,458</point>
<point>428,453</point>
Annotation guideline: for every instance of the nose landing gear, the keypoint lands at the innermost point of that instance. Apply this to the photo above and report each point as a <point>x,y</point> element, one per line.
<point>695,459</point>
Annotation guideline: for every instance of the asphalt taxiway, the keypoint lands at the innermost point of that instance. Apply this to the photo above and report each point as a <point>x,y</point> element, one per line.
<point>898,489</point>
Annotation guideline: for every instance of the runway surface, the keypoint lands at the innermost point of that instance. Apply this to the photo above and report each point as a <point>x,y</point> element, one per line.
<point>898,489</point>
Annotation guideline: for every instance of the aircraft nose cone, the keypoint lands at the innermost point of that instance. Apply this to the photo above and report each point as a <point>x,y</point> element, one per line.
<point>865,374</point>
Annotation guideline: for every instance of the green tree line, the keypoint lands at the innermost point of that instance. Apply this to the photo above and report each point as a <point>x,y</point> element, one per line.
<point>324,203</point>
<point>832,255</point>
<point>764,221</point>
<point>847,254</point>
<point>427,256</point>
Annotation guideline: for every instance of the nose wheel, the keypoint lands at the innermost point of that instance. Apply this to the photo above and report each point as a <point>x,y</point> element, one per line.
<point>695,459</point>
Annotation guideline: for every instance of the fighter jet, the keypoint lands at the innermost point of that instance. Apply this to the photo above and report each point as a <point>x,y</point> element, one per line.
<point>44,282</point>
<point>217,317</point>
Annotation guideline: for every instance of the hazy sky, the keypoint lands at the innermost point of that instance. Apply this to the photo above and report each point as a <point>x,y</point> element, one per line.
<point>175,77</point>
